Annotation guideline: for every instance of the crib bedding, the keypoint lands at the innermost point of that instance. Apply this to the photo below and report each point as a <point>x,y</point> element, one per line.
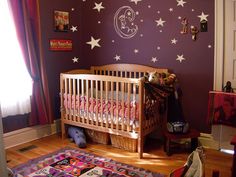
<point>104,106</point>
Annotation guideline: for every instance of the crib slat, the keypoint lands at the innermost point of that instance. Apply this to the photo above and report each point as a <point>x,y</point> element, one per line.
<point>101,90</point>
<point>92,115</point>
<point>123,105</point>
<point>74,99</point>
<point>117,105</point>
<point>112,107</point>
<point>78,95</point>
<point>87,102</point>
<point>70,96</point>
<point>83,99</point>
<point>96,103</point>
<point>134,100</point>
<point>128,100</point>
<point>106,103</point>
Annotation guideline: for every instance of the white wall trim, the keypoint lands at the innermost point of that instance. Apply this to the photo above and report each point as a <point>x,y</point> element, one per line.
<point>219,45</point>
<point>28,134</point>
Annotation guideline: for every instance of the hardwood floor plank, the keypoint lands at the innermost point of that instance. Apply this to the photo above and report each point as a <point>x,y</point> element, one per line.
<point>154,160</point>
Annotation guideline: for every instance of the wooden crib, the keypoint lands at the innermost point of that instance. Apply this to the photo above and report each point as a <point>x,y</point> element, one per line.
<point>111,99</point>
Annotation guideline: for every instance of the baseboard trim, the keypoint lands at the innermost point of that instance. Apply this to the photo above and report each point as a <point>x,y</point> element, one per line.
<point>28,134</point>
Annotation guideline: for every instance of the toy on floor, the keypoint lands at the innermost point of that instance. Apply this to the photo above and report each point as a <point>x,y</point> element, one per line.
<point>77,135</point>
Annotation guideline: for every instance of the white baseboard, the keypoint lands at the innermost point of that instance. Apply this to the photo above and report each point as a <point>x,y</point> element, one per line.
<point>28,134</point>
<point>32,133</point>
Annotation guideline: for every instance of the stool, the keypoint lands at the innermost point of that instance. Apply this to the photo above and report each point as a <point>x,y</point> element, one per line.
<point>192,133</point>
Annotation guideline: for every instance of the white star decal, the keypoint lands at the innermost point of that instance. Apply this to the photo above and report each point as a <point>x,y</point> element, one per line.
<point>209,46</point>
<point>136,51</point>
<point>203,16</point>
<point>174,41</point>
<point>149,6</point>
<point>98,6</point>
<point>135,1</point>
<point>72,9</point>
<point>180,58</point>
<point>73,28</point>
<point>179,17</point>
<point>160,22</point>
<point>93,42</point>
<point>154,59</point>
<point>171,9</point>
<point>75,59</point>
<point>158,48</point>
<point>181,3</point>
<point>117,58</point>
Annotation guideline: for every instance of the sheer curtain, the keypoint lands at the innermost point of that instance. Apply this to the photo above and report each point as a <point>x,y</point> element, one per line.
<point>15,82</point>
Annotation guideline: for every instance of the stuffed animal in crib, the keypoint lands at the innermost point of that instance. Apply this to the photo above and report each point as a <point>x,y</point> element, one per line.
<point>154,78</point>
<point>77,135</point>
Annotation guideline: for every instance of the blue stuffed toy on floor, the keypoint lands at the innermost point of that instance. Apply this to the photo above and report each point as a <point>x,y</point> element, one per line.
<point>77,135</point>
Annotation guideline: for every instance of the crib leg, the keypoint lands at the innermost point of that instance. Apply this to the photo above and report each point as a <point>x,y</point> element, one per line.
<point>63,133</point>
<point>140,147</point>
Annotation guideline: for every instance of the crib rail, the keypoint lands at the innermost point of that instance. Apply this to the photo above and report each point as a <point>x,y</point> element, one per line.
<point>125,70</point>
<point>120,100</point>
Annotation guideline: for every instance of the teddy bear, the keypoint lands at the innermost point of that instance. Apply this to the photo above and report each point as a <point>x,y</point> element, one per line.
<point>77,135</point>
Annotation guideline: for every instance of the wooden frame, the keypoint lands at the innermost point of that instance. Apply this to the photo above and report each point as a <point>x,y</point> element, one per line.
<point>61,21</point>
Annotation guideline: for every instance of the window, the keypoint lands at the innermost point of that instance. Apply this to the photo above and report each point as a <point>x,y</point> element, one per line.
<point>15,82</point>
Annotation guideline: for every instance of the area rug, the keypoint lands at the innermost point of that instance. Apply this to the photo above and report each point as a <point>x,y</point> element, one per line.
<point>70,162</point>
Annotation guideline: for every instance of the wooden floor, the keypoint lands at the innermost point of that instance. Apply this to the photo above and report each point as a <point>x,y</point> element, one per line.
<point>154,157</point>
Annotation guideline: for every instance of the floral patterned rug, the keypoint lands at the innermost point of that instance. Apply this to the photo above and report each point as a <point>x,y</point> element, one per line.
<point>69,162</point>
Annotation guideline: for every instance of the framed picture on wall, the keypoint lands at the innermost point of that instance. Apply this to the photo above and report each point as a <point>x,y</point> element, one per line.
<point>61,21</point>
<point>60,44</point>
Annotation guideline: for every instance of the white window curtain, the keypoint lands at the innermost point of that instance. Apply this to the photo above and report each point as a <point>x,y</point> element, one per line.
<point>15,82</point>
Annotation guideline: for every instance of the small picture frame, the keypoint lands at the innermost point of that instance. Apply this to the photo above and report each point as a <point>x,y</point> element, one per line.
<point>61,21</point>
<point>60,45</point>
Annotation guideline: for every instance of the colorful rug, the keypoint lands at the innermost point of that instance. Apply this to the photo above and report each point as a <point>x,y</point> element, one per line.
<point>69,162</point>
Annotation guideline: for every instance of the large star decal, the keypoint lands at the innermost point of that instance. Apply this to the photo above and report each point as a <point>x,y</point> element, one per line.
<point>75,59</point>
<point>160,22</point>
<point>135,1</point>
<point>203,16</point>
<point>174,41</point>
<point>94,42</point>
<point>180,58</point>
<point>117,58</point>
<point>73,28</point>
<point>154,59</point>
<point>99,6</point>
<point>181,3</point>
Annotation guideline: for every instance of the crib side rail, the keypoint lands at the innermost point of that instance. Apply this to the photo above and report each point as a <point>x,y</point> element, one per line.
<point>104,103</point>
<point>125,70</point>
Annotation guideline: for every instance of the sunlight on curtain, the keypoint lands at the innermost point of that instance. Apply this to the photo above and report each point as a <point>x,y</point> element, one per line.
<point>15,82</point>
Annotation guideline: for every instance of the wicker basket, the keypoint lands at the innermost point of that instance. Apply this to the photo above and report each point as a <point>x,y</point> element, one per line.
<point>97,137</point>
<point>125,143</point>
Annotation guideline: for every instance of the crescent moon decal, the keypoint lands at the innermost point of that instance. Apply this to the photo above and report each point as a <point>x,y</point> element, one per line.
<point>123,22</point>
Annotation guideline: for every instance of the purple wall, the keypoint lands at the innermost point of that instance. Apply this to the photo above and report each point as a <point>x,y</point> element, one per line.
<point>139,40</point>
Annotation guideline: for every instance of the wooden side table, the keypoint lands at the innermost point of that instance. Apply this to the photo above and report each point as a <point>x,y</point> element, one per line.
<point>168,137</point>
<point>233,142</point>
